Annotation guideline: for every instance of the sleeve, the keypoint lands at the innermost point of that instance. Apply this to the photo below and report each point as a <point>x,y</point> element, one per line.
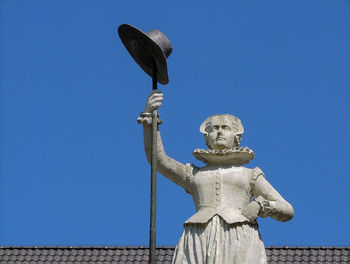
<point>264,204</point>
<point>191,169</point>
<point>270,201</point>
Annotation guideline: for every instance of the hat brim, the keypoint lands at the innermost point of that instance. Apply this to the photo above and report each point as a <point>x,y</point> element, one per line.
<point>144,51</point>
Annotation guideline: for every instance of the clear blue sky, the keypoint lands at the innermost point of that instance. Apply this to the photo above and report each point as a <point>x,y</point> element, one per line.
<point>72,167</point>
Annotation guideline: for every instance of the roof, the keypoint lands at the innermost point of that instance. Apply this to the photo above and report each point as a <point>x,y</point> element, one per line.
<point>139,254</point>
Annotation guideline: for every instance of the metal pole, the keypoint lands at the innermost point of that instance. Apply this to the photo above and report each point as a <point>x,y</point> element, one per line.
<point>152,239</point>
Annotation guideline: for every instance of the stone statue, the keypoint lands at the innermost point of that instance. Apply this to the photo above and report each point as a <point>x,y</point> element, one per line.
<point>228,197</point>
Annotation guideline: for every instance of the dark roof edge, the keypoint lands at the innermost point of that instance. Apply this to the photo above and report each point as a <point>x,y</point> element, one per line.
<point>83,247</point>
<point>159,247</point>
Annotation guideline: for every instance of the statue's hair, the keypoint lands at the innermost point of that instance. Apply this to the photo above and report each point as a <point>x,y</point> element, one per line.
<point>234,122</point>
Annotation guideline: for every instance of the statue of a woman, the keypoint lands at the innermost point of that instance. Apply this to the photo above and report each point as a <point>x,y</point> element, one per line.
<point>228,197</point>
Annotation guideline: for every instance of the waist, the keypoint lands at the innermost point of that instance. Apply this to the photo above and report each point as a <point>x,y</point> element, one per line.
<point>231,215</point>
<point>220,206</point>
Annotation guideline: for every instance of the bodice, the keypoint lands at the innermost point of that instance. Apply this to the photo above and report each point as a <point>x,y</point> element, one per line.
<point>221,190</point>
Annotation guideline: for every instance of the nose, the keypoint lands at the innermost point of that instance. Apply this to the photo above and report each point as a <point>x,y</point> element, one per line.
<point>220,130</point>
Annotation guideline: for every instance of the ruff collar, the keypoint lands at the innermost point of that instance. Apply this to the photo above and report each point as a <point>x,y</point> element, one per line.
<point>236,156</point>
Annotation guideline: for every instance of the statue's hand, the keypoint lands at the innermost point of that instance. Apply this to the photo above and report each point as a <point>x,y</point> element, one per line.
<point>252,211</point>
<point>154,101</point>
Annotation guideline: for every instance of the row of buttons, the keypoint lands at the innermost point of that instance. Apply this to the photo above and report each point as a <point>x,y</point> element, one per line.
<point>217,186</point>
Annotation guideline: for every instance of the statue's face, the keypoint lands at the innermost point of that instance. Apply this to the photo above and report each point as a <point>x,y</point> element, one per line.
<point>220,134</point>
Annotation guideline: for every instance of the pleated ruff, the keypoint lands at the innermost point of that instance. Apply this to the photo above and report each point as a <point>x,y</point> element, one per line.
<point>220,243</point>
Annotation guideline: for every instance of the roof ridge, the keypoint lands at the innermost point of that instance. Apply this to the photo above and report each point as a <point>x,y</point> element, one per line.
<point>308,247</point>
<point>158,247</point>
<point>82,247</point>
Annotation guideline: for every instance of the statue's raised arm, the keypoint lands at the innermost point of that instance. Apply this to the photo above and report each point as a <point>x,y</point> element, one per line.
<point>167,166</point>
<point>228,196</point>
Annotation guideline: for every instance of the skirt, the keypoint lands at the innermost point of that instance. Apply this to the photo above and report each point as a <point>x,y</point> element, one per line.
<point>217,242</point>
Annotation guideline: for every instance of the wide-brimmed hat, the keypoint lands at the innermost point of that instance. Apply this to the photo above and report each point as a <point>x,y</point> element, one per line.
<point>147,48</point>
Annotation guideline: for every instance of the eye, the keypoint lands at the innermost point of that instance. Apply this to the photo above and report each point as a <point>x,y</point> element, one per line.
<point>226,128</point>
<point>215,127</point>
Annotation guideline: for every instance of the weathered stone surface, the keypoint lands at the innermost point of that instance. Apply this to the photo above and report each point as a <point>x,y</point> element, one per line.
<point>228,197</point>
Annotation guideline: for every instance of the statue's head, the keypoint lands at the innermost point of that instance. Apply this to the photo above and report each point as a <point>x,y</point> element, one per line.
<point>222,131</point>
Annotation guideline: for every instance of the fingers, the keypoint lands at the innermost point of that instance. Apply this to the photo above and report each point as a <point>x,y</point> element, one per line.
<point>154,101</point>
<point>154,93</point>
<point>157,105</point>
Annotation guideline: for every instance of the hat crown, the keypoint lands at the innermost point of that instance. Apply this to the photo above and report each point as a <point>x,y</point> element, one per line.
<point>162,41</point>
<point>147,48</point>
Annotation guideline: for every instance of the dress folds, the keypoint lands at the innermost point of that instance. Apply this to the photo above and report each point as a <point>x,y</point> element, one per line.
<point>217,242</point>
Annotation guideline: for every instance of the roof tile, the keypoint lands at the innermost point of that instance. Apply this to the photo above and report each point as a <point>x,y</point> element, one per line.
<point>139,255</point>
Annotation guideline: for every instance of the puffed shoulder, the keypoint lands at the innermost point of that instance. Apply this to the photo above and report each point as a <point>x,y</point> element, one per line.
<point>254,175</point>
<point>256,172</point>
<point>191,169</point>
